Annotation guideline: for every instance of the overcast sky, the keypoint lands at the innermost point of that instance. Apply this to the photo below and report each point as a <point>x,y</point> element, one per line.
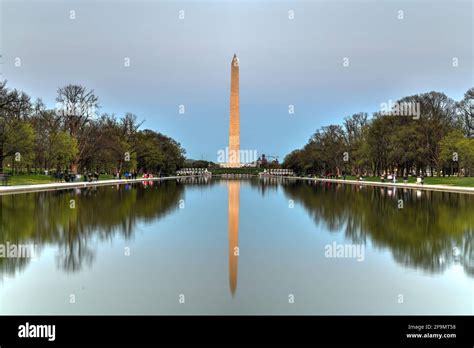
<point>283,61</point>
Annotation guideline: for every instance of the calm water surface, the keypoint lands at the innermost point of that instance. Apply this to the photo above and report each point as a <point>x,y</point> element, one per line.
<point>238,247</point>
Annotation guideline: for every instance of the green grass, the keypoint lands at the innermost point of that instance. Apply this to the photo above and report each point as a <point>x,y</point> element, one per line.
<point>453,181</point>
<point>106,177</point>
<point>29,179</point>
<point>36,179</point>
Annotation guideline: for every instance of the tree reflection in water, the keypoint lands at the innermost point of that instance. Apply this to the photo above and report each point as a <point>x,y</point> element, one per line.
<point>46,218</point>
<point>432,231</point>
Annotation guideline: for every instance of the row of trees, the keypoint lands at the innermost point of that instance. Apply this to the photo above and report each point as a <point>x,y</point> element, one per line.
<point>74,137</point>
<point>436,141</point>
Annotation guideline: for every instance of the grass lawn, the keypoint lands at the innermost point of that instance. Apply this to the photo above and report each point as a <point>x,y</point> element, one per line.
<point>35,179</point>
<point>106,177</point>
<point>452,181</point>
<point>29,179</point>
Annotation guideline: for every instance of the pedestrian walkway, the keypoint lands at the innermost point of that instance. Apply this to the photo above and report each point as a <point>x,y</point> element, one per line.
<point>444,188</point>
<point>71,185</point>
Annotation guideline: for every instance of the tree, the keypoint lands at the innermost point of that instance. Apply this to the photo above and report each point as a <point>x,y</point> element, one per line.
<point>77,107</point>
<point>457,152</point>
<point>465,109</point>
<point>19,144</point>
<point>295,161</point>
<point>116,149</point>
<point>158,153</point>
<point>173,154</point>
<point>355,130</point>
<point>63,151</point>
<point>149,155</point>
<point>47,124</point>
<point>438,118</point>
<point>14,109</point>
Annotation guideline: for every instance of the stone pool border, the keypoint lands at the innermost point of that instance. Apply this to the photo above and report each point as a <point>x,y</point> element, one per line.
<point>443,188</point>
<point>6,190</point>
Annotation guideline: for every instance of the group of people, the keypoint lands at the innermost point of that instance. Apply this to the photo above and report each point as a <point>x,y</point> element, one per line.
<point>61,176</point>
<point>91,177</point>
<point>127,175</point>
<point>133,175</point>
<point>393,178</point>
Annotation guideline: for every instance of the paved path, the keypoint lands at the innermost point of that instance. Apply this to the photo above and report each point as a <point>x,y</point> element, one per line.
<point>70,185</point>
<point>444,188</point>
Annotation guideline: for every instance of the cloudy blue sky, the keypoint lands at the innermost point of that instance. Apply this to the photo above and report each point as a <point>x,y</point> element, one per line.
<point>283,61</point>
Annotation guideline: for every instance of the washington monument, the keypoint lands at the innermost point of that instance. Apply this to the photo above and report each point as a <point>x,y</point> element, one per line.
<point>234,126</point>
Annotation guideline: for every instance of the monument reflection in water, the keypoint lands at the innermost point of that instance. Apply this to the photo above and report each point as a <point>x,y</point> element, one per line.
<point>233,188</point>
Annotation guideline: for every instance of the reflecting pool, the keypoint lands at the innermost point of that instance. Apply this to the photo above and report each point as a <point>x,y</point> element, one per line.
<point>258,246</point>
